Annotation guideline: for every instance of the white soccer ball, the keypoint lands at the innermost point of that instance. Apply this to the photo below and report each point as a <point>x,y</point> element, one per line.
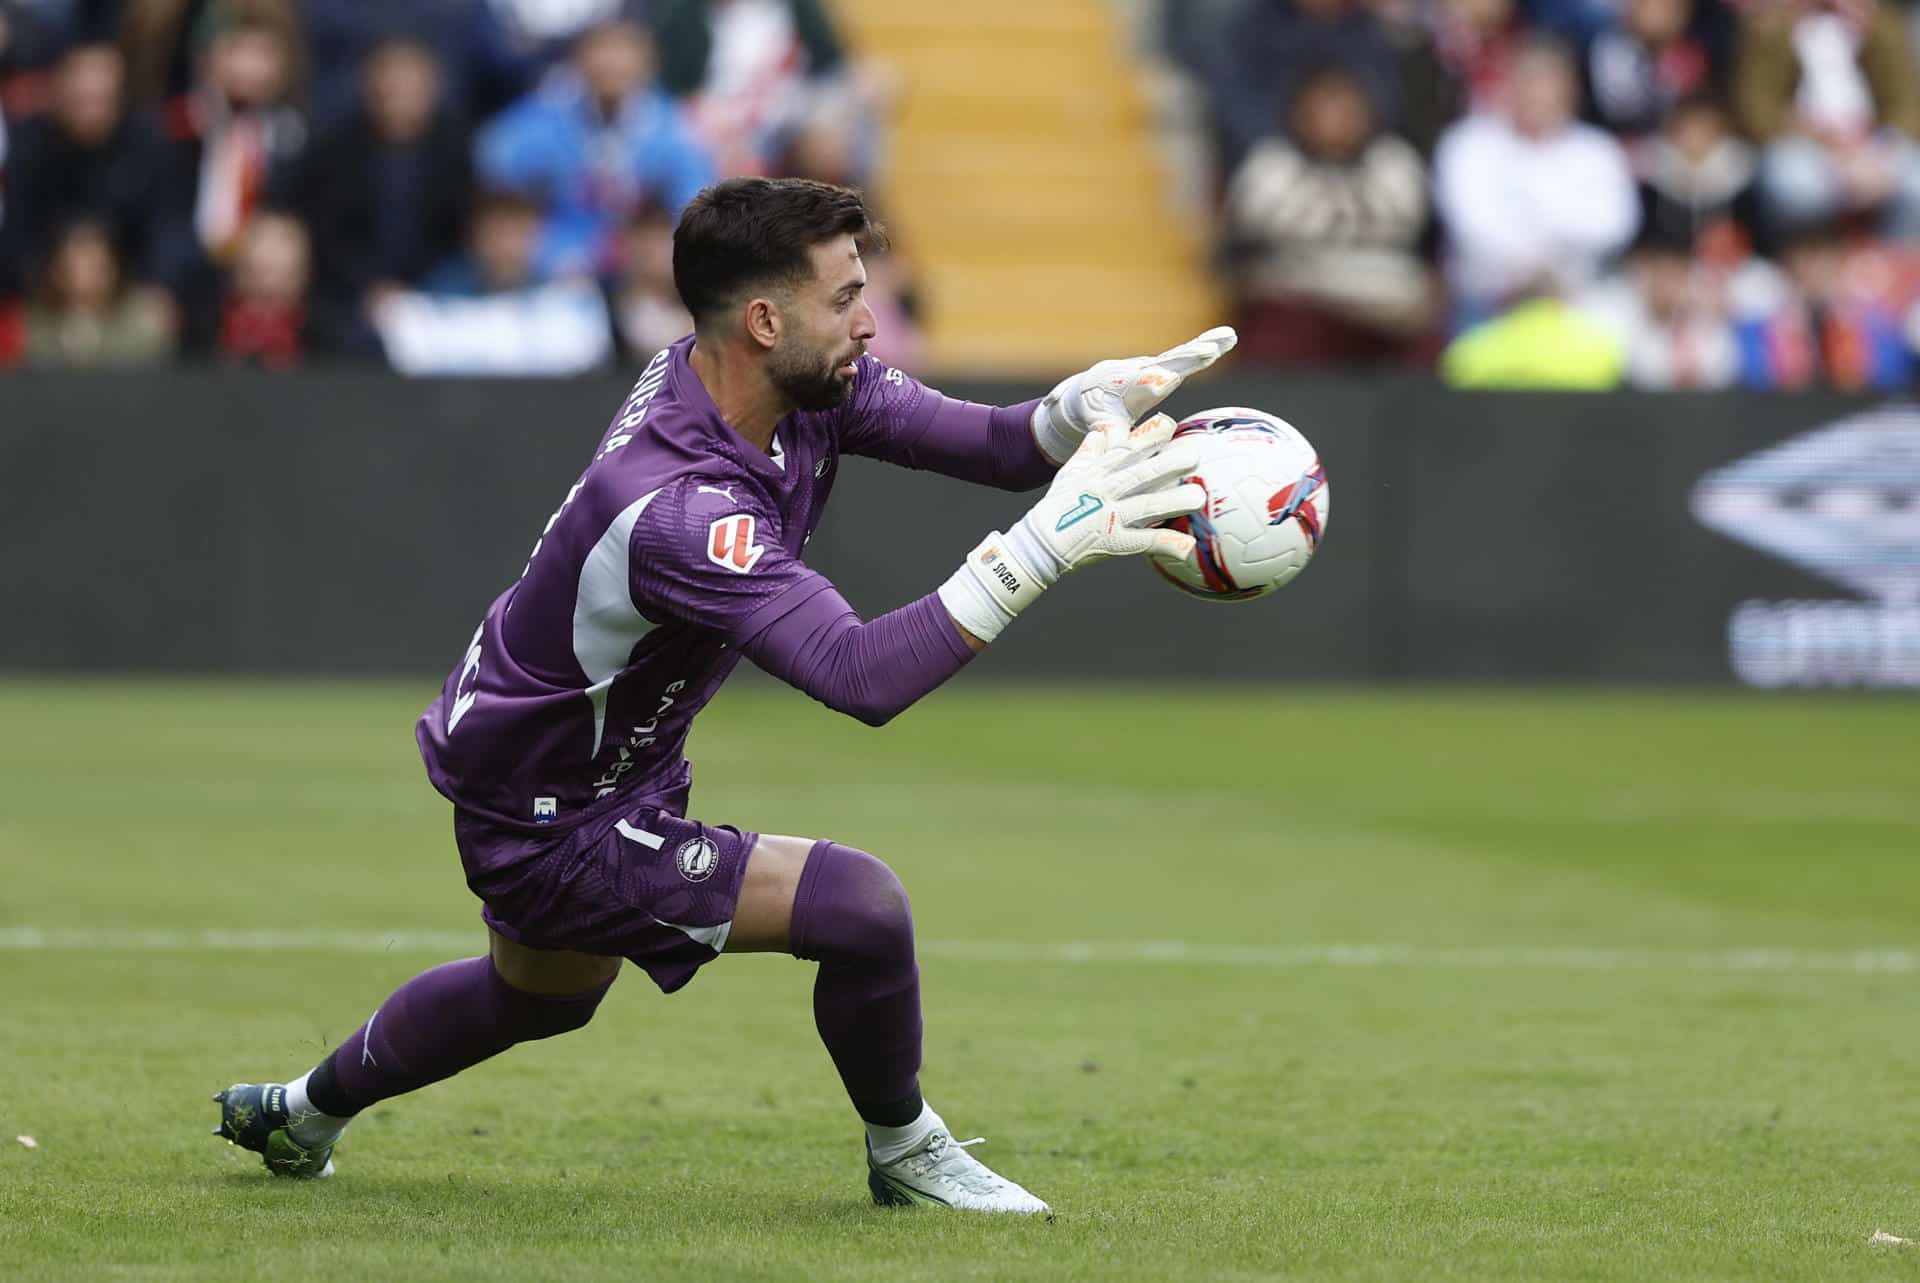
<point>1266,509</point>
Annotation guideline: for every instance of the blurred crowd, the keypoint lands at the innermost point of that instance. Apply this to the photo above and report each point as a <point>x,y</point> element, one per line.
<point>445,186</point>
<point>1584,193</point>
<point>1569,193</point>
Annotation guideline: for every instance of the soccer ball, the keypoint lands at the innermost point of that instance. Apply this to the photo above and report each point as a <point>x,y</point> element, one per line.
<point>1266,509</point>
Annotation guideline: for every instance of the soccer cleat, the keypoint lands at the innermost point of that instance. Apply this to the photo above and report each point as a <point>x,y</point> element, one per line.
<point>254,1116</point>
<point>943,1172</point>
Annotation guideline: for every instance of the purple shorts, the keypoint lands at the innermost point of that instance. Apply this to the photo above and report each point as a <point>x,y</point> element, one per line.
<point>648,885</point>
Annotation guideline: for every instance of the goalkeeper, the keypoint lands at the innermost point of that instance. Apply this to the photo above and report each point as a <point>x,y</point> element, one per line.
<point>558,737</point>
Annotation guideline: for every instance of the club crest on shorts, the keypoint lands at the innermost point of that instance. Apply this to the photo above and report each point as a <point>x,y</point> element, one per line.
<point>697,858</point>
<point>730,543</point>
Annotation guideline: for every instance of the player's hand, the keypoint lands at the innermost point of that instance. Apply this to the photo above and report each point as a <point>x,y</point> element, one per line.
<point>1120,391</point>
<point>1108,501</point>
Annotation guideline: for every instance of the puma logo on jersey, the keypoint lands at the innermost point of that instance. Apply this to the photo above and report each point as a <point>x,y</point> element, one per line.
<point>721,490</point>
<point>730,543</point>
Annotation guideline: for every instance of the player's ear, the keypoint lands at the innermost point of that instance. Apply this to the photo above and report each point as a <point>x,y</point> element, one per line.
<point>763,322</point>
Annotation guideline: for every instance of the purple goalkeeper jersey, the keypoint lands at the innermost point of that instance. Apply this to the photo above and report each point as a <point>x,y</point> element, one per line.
<point>678,546</point>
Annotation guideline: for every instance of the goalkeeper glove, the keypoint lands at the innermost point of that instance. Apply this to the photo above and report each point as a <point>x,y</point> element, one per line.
<point>1120,390</point>
<point>1105,502</point>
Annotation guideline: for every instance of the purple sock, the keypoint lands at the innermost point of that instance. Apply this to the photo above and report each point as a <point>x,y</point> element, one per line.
<point>851,914</point>
<point>435,1025</point>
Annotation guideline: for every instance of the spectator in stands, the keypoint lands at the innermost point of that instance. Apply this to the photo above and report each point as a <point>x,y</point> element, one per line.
<point>246,139</point>
<point>1531,199</point>
<point>1431,94</point>
<point>592,145</point>
<point>479,70</point>
<point>502,248</point>
<point>1193,34</point>
<point>84,315</point>
<point>490,313</point>
<point>1275,44</point>
<point>1697,182</point>
<point>1639,67</point>
<point>647,312</point>
<point>706,43</point>
<point>89,157</point>
<point>541,34</point>
<point>751,71</point>
<point>1825,321</point>
<point>1325,223</point>
<point>385,195</point>
<point>1668,312</point>
<point>166,42</point>
<point>1478,41</point>
<point>1576,21</point>
<point>1830,90</point>
<point>264,317</point>
<point>1541,344</point>
<point>33,34</point>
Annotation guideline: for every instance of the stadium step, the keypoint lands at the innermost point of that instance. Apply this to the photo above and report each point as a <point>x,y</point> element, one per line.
<point>1025,185</point>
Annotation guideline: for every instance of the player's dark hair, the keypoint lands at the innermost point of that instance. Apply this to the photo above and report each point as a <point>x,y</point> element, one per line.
<point>747,234</point>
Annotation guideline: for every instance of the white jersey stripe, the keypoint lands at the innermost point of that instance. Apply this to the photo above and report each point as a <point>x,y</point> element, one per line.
<point>715,937</point>
<point>606,623</point>
<point>652,841</point>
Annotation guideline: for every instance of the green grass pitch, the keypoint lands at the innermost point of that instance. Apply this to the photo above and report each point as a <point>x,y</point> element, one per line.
<point>1251,984</point>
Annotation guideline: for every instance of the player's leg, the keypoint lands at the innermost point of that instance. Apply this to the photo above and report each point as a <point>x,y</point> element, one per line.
<point>849,912</point>
<point>435,1025</point>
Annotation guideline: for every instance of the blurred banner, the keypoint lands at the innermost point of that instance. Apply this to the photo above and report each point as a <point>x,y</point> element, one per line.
<point>356,523</point>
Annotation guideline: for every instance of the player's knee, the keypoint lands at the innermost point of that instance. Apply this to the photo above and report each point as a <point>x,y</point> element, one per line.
<point>533,1016</point>
<point>872,918</point>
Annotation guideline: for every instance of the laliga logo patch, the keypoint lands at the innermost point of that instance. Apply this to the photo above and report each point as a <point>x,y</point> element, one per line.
<point>730,543</point>
<point>1844,503</point>
<point>697,858</point>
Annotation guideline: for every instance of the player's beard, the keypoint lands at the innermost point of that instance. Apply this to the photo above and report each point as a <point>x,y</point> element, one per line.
<point>808,378</point>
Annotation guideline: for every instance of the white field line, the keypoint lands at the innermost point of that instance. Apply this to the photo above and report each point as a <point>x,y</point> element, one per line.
<point>1164,952</point>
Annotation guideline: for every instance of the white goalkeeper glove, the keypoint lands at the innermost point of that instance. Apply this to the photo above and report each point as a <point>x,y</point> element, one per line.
<point>1105,502</point>
<point>1120,391</point>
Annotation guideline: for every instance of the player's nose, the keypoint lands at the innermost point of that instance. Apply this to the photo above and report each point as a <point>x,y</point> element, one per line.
<point>865,325</point>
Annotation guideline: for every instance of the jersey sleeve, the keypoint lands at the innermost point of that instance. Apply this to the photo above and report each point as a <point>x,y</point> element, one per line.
<point>894,417</point>
<point>703,557</point>
<point>709,553</point>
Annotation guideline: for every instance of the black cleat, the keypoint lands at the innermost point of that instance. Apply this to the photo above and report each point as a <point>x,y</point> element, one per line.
<point>254,1116</point>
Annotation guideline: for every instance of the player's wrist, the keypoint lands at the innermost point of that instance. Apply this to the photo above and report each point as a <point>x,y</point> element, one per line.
<point>1035,553</point>
<point>995,583</point>
<point>1056,438</point>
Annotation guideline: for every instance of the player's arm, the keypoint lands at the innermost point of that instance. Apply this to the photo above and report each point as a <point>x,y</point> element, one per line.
<point>716,567</point>
<point>1106,502</point>
<point>1018,447</point>
<point>871,669</point>
<point>711,552</point>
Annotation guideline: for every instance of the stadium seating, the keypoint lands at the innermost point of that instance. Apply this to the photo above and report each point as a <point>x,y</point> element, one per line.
<point>1022,168</point>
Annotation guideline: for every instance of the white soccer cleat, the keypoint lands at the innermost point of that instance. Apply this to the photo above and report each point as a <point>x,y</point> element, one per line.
<point>943,1172</point>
